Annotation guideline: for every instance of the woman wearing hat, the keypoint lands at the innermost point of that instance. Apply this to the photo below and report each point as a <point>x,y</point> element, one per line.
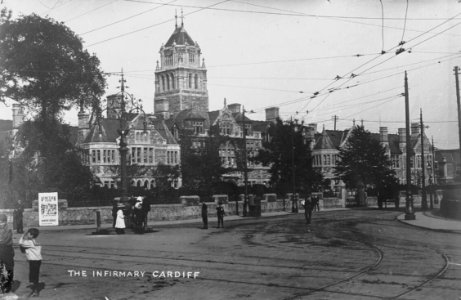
<point>6,254</point>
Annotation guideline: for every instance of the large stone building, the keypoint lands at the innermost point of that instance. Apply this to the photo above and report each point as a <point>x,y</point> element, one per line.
<point>149,142</point>
<point>329,142</point>
<point>181,100</point>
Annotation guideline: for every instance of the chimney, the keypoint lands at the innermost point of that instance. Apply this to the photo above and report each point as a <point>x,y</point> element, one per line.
<point>161,107</point>
<point>234,107</point>
<point>18,115</point>
<point>272,113</point>
<point>383,137</point>
<point>414,128</point>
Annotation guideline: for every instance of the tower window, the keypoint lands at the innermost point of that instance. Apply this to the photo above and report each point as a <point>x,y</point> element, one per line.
<point>191,57</point>
<point>172,82</point>
<point>196,81</point>
<point>190,80</point>
<point>167,82</point>
<point>163,83</point>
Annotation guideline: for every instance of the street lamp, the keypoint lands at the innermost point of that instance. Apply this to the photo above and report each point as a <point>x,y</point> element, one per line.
<point>123,132</point>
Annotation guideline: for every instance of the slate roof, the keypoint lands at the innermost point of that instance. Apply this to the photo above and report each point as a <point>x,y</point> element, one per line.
<point>180,37</point>
<point>163,130</point>
<point>324,142</point>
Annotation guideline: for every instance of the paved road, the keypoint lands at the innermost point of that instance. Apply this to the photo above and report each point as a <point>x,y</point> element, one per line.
<point>351,254</point>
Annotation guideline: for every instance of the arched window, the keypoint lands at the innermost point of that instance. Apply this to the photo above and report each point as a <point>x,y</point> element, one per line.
<point>196,81</point>
<point>172,82</point>
<point>163,84</point>
<point>190,80</point>
<point>168,82</point>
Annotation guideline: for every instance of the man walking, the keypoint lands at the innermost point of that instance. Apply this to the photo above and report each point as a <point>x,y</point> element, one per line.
<point>205,215</point>
<point>308,207</point>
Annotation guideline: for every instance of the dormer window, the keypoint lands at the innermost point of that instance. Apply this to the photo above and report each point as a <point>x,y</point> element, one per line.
<point>198,127</point>
<point>191,57</point>
<point>226,128</point>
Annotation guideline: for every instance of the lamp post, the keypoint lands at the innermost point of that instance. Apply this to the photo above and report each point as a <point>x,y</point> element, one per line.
<point>245,165</point>
<point>123,131</point>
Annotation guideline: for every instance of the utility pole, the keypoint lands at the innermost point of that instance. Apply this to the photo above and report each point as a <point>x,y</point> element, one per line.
<point>409,213</point>
<point>294,206</point>
<point>335,118</point>
<point>423,164</point>
<point>245,167</point>
<point>459,107</point>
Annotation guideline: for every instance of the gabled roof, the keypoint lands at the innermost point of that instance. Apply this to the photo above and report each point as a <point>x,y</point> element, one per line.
<point>213,115</point>
<point>324,142</point>
<point>162,129</point>
<point>179,37</point>
<point>105,131</point>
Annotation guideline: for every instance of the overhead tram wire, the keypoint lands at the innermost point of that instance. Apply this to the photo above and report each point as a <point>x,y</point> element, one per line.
<point>154,25</point>
<point>404,25</point>
<point>382,26</point>
<point>125,19</point>
<point>427,31</point>
<point>90,11</point>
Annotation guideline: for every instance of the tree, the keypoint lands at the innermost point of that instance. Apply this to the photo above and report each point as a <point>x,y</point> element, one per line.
<point>57,165</point>
<point>288,153</point>
<point>363,162</point>
<point>201,166</point>
<point>44,66</point>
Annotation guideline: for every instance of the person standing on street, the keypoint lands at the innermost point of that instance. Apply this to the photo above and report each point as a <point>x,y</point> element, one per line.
<point>33,251</point>
<point>120,222</point>
<point>220,213</point>
<point>18,216</point>
<point>205,215</point>
<point>6,255</point>
<point>308,208</point>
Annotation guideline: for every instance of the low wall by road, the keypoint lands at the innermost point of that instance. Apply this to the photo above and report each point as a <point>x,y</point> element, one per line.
<point>159,212</point>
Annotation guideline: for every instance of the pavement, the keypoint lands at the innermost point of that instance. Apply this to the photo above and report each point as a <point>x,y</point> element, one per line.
<point>432,221</point>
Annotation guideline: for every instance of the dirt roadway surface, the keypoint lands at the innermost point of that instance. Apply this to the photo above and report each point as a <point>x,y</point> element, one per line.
<point>352,254</point>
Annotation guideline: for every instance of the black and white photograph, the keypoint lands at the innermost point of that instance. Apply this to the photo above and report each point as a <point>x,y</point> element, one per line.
<point>230,149</point>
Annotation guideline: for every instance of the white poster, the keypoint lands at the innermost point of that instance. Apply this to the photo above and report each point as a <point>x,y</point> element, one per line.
<point>48,209</point>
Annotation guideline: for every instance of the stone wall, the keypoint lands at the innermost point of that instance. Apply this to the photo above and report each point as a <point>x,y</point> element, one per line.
<point>158,212</point>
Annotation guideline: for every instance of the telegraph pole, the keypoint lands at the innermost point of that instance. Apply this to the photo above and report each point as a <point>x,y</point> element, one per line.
<point>459,106</point>
<point>409,213</point>
<point>423,164</point>
<point>335,118</point>
<point>245,167</point>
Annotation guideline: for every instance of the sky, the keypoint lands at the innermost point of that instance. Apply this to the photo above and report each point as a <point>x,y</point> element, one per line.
<point>313,59</point>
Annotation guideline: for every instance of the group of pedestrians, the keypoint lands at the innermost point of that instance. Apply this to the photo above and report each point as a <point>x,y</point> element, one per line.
<point>219,213</point>
<point>134,214</point>
<point>28,245</point>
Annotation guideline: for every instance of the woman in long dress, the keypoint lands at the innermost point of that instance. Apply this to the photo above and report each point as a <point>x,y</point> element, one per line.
<point>120,222</point>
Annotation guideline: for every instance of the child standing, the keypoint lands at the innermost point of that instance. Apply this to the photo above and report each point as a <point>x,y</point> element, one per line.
<point>33,250</point>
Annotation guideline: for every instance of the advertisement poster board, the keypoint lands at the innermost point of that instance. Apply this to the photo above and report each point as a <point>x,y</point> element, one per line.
<point>48,209</point>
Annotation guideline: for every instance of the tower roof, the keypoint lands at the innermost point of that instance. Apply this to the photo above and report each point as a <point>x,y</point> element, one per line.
<point>179,37</point>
